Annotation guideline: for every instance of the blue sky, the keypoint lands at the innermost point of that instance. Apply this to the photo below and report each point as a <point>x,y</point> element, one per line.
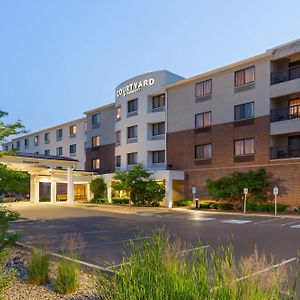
<point>59,58</point>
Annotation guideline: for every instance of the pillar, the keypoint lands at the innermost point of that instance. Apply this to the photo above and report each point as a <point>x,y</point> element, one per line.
<point>36,189</point>
<point>31,188</point>
<point>88,192</point>
<point>53,191</point>
<point>108,184</point>
<point>169,192</point>
<point>70,185</point>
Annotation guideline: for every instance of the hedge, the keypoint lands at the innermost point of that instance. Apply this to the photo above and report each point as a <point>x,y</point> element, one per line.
<point>99,201</point>
<point>183,202</point>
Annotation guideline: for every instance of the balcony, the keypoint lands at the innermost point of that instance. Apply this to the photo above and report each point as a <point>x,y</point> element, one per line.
<point>285,82</point>
<point>284,152</point>
<point>286,113</point>
<point>285,75</point>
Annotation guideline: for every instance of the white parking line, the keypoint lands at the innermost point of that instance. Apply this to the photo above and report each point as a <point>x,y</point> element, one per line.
<point>236,221</point>
<point>269,220</point>
<point>201,219</point>
<point>290,223</point>
<point>296,226</point>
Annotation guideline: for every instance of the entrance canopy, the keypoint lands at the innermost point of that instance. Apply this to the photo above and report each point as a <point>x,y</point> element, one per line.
<point>48,168</point>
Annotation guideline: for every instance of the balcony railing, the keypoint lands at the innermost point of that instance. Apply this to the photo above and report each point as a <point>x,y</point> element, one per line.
<point>284,152</point>
<point>285,75</point>
<point>286,113</point>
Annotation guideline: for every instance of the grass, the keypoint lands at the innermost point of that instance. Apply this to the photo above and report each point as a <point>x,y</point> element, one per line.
<point>38,267</point>
<point>67,278</point>
<point>156,269</point>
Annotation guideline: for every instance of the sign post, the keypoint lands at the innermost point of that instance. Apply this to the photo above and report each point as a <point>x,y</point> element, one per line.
<point>275,192</point>
<point>245,199</point>
<point>194,191</point>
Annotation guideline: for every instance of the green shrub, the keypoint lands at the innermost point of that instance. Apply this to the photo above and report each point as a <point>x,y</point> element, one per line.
<point>280,207</point>
<point>156,269</point>
<point>45,199</point>
<point>184,202</point>
<point>120,201</point>
<point>67,278</point>
<point>98,187</point>
<point>224,206</point>
<point>262,207</point>
<point>205,204</point>
<point>250,206</point>
<point>99,201</point>
<point>38,267</point>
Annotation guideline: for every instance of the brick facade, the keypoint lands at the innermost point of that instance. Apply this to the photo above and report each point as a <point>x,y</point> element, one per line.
<point>106,153</point>
<point>284,174</point>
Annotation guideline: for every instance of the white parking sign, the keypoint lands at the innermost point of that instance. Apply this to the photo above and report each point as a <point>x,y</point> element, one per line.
<point>194,190</point>
<point>275,190</point>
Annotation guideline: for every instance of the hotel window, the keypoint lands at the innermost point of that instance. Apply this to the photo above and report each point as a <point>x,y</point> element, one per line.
<point>203,119</point>
<point>203,88</point>
<point>18,145</point>
<point>203,151</point>
<point>118,161</point>
<point>132,106</point>
<point>294,108</point>
<point>244,76</point>
<point>132,133</point>
<point>59,134</point>
<point>73,130</point>
<point>47,152</point>
<point>244,147</point>
<point>96,141</point>
<point>96,163</point>
<point>118,113</point>
<point>158,157</point>
<point>36,140</point>
<point>47,138</point>
<point>95,120</point>
<point>118,138</point>
<point>132,158</point>
<point>158,128</point>
<point>244,111</point>
<point>26,143</point>
<point>73,149</point>
<point>59,151</point>
<point>158,102</point>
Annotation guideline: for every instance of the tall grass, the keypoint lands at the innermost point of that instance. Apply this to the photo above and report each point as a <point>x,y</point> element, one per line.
<point>157,269</point>
<point>67,278</point>
<point>38,267</point>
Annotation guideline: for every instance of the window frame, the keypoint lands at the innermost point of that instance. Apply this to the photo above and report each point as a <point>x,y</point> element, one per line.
<point>96,164</point>
<point>158,125</point>
<point>135,154</point>
<point>160,98</point>
<point>243,71</point>
<point>202,89</point>
<point>203,114</point>
<point>95,138</point>
<point>118,161</point>
<point>58,151</point>
<point>73,134</point>
<point>204,157</point>
<point>129,102</point>
<point>243,147</point>
<point>96,120</point>
<point>158,152</point>
<point>59,136</point>
<point>70,148</point>
<point>243,105</point>
<point>129,128</point>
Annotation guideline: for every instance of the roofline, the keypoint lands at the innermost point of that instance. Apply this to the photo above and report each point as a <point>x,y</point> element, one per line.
<point>46,129</point>
<point>283,45</point>
<point>112,104</point>
<point>219,70</point>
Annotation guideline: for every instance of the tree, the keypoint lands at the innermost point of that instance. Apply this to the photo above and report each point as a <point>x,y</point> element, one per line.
<point>10,129</point>
<point>138,184</point>
<point>98,188</point>
<point>13,181</point>
<point>230,188</point>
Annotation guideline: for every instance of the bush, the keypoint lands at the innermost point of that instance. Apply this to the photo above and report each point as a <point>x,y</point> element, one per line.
<point>120,201</point>
<point>224,206</point>
<point>266,207</point>
<point>230,188</point>
<point>98,188</point>
<point>205,204</point>
<point>157,269</point>
<point>280,207</point>
<point>99,201</point>
<point>38,267</point>
<point>183,202</point>
<point>67,281</point>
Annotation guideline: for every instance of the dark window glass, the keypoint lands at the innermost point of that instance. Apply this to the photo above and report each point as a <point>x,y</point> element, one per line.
<point>244,111</point>
<point>244,76</point>
<point>72,148</point>
<point>158,101</point>
<point>203,119</point>
<point>203,151</point>
<point>132,106</point>
<point>132,132</point>
<point>118,161</point>
<point>132,158</point>
<point>158,157</point>
<point>158,128</point>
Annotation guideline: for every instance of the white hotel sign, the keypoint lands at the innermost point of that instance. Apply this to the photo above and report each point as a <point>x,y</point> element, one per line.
<point>134,87</point>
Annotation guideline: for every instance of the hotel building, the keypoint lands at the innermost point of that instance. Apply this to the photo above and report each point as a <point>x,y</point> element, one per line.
<point>241,117</point>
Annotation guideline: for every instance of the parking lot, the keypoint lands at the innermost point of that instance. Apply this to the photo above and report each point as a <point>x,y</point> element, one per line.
<point>106,234</point>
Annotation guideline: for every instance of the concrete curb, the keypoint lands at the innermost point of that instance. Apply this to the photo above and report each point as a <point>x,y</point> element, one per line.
<point>87,267</point>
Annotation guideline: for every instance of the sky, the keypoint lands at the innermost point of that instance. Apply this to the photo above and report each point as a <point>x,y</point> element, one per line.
<point>60,58</point>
